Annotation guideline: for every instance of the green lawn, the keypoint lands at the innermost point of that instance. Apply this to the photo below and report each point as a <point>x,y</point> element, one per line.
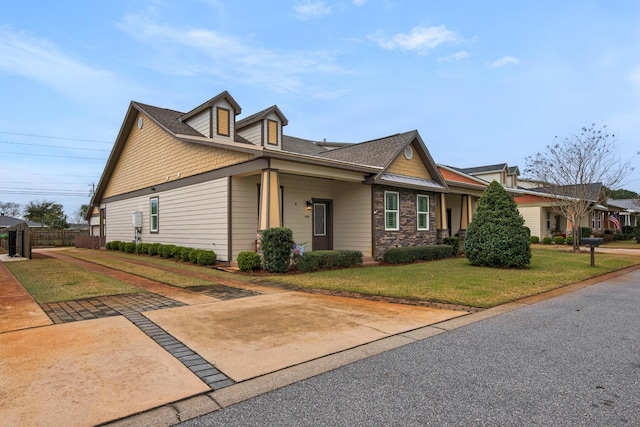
<point>455,281</point>
<point>122,262</point>
<point>50,280</point>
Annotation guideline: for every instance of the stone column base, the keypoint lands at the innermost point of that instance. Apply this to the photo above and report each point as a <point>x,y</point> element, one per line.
<point>441,235</point>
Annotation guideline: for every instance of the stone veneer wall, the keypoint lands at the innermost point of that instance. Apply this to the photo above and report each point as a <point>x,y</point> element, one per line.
<point>408,235</point>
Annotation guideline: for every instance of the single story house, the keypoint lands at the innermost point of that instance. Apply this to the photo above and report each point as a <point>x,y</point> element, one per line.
<point>206,179</point>
<point>9,221</point>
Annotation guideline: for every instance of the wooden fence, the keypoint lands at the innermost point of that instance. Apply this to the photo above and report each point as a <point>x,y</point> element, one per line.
<point>89,242</point>
<point>55,238</point>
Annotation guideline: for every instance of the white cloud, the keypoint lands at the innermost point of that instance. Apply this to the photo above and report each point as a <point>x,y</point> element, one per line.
<point>504,61</point>
<point>40,60</point>
<point>311,9</point>
<point>419,39</point>
<point>192,51</point>
<point>458,56</point>
<point>359,2</point>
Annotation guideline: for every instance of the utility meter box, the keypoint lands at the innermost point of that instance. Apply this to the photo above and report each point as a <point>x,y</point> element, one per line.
<point>136,219</point>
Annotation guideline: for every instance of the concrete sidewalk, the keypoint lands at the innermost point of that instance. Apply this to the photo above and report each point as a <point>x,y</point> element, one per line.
<point>92,372</point>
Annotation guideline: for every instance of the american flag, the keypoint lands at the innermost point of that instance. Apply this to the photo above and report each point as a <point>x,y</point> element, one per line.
<point>614,219</point>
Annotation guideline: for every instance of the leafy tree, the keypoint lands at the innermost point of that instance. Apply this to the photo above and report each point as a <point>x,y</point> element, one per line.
<point>497,237</point>
<point>79,216</point>
<point>572,167</point>
<point>623,194</point>
<point>10,209</point>
<point>48,214</point>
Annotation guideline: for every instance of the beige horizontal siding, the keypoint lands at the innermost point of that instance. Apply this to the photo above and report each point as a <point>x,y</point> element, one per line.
<point>533,219</point>
<point>352,217</point>
<point>194,216</point>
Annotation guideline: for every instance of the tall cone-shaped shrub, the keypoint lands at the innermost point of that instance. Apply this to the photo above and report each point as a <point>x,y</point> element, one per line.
<point>496,236</point>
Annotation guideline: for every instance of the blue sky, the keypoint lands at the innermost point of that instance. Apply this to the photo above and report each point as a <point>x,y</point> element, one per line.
<point>483,82</point>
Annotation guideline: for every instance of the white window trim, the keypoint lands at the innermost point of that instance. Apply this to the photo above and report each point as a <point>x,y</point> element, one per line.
<point>418,213</point>
<point>396,212</point>
<point>156,215</point>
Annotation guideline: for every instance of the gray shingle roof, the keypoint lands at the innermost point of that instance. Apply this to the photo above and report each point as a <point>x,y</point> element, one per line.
<point>378,152</point>
<point>169,119</point>
<point>260,115</point>
<point>481,169</point>
<point>301,146</point>
<point>592,192</point>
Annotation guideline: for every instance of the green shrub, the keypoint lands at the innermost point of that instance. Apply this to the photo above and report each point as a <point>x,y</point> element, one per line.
<point>417,253</point>
<point>324,260</point>
<point>129,247</point>
<point>249,261</point>
<point>166,251</point>
<point>141,248</point>
<point>276,244</point>
<point>113,245</point>
<point>176,251</point>
<point>569,239</point>
<point>193,255</point>
<point>153,248</point>
<point>122,245</point>
<point>558,240</point>
<point>206,257</point>
<point>535,239</point>
<point>454,242</point>
<point>585,231</point>
<point>184,254</point>
<point>547,240</point>
<point>627,229</point>
<point>497,237</point>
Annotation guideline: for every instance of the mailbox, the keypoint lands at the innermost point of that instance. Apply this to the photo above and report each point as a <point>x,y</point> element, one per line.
<point>591,241</point>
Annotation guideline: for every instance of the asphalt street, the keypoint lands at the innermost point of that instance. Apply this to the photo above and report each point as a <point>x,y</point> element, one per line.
<point>571,360</point>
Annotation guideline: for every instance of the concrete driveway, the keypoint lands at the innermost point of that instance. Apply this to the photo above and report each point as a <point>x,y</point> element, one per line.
<point>90,372</point>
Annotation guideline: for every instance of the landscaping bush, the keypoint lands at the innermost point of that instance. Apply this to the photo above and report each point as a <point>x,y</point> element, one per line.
<point>417,253</point>
<point>569,240</point>
<point>206,257</point>
<point>184,254</point>
<point>113,245</point>
<point>249,261</point>
<point>177,250</point>
<point>585,231</point>
<point>535,239</point>
<point>276,246</point>
<point>627,229</point>
<point>323,260</point>
<point>193,255</point>
<point>497,237</point>
<point>129,247</point>
<point>454,242</point>
<point>166,251</point>
<point>637,234</point>
<point>153,248</point>
<point>142,248</point>
<point>558,240</point>
<point>547,241</point>
<point>122,245</point>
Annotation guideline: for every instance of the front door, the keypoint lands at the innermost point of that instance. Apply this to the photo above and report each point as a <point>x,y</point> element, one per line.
<point>322,225</point>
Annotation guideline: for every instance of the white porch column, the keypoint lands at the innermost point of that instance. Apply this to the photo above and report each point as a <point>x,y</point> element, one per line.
<point>270,214</point>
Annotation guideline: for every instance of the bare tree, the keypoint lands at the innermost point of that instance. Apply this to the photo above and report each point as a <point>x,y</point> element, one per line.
<point>10,209</point>
<point>577,171</point>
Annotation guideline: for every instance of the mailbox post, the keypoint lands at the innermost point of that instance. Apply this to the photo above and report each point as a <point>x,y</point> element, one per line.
<point>592,242</point>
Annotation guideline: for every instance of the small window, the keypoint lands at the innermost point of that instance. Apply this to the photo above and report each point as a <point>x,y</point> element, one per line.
<point>408,152</point>
<point>423,212</point>
<point>391,211</point>
<point>272,132</point>
<point>223,117</point>
<point>153,217</point>
<point>548,220</point>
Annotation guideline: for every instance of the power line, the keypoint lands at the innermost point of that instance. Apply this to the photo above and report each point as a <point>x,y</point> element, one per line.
<point>53,155</point>
<point>57,137</point>
<point>46,192</point>
<point>53,146</point>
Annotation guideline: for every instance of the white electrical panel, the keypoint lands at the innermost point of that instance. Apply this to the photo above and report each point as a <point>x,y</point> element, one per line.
<point>136,219</point>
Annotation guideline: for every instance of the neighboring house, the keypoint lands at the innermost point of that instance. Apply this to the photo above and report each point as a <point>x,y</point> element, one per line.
<point>501,172</point>
<point>538,205</point>
<point>628,210</point>
<point>204,179</point>
<point>8,221</point>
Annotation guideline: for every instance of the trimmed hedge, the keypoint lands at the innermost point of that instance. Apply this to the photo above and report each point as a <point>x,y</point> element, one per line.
<point>206,257</point>
<point>166,251</point>
<point>153,248</point>
<point>249,261</point>
<point>415,253</point>
<point>569,239</point>
<point>454,242</point>
<point>193,255</point>
<point>558,240</point>
<point>535,239</point>
<point>184,254</point>
<point>585,231</point>
<point>276,244</point>
<point>323,260</point>
<point>547,240</point>
<point>129,247</point>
